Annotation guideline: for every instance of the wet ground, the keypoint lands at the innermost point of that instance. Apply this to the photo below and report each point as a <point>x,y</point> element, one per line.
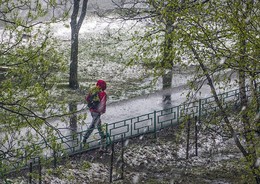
<point>143,104</point>
<point>120,110</point>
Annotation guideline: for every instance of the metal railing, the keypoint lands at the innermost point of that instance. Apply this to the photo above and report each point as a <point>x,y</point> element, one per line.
<point>147,123</point>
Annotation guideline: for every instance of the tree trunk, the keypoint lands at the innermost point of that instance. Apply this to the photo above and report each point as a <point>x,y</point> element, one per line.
<point>245,111</point>
<point>73,124</point>
<point>75,27</point>
<point>73,116</point>
<point>167,83</point>
<point>73,81</point>
<point>220,106</point>
<point>167,62</point>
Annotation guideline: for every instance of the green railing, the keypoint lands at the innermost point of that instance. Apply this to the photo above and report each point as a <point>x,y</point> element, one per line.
<point>147,123</point>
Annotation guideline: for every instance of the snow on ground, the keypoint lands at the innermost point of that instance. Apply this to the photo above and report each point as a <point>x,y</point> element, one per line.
<point>94,25</point>
<point>102,56</point>
<point>148,160</point>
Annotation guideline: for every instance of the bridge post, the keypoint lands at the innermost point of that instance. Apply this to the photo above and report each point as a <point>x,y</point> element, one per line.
<point>188,139</point>
<point>111,163</point>
<point>30,173</point>
<point>40,170</point>
<point>200,109</point>
<point>154,124</point>
<point>196,135</point>
<point>122,157</point>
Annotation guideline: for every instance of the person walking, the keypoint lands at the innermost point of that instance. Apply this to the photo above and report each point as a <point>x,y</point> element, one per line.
<point>96,100</point>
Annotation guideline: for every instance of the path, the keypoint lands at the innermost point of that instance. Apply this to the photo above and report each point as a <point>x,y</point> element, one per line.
<point>143,104</point>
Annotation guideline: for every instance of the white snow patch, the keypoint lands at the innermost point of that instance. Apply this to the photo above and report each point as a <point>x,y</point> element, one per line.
<point>136,179</point>
<point>257,164</point>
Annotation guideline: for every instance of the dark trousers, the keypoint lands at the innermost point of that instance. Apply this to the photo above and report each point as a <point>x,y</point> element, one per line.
<point>96,121</point>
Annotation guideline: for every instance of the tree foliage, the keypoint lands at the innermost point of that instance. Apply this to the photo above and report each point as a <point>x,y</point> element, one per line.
<point>30,65</point>
<point>220,38</point>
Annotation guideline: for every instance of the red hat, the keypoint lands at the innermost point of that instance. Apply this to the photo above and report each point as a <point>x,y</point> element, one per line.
<point>102,84</point>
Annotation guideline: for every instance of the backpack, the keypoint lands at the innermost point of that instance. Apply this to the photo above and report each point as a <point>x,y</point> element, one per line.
<point>93,99</point>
